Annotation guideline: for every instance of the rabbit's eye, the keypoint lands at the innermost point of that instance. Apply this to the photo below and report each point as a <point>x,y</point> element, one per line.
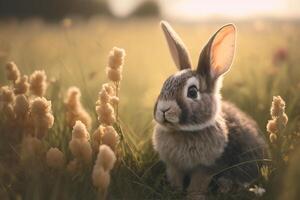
<point>192,92</point>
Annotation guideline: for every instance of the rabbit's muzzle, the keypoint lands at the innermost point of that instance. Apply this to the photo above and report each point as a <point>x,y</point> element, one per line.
<point>167,112</point>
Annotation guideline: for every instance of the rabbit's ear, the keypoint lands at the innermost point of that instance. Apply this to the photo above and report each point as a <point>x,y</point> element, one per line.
<point>177,48</point>
<point>217,56</point>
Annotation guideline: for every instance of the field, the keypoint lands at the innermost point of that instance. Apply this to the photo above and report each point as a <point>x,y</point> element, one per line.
<point>74,53</point>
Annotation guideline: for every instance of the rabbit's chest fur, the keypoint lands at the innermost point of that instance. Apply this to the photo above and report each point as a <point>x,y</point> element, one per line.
<point>187,150</point>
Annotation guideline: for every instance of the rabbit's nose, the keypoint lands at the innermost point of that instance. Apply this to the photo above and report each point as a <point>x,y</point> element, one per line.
<point>164,110</point>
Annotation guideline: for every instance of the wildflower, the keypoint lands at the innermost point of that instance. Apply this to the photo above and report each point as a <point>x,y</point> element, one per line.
<point>278,106</point>
<point>115,62</point>
<point>80,132</point>
<point>264,170</point>
<point>109,89</point>
<point>55,158</point>
<point>79,144</point>
<point>21,107</point>
<point>104,163</point>
<point>21,85</point>
<point>258,191</point>
<point>114,74</point>
<point>41,116</point>
<point>6,95</point>
<point>97,138</point>
<point>114,100</point>
<point>75,110</point>
<point>12,71</point>
<point>279,118</point>
<point>100,178</point>
<point>107,157</point>
<point>106,113</point>
<point>272,126</point>
<point>110,137</point>
<point>273,137</point>
<point>280,55</point>
<point>104,97</point>
<point>7,99</point>
<point>38,83</point>
<point>284,119</point>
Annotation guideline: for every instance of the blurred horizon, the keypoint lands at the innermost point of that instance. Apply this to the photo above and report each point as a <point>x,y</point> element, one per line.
<point>181,10</point>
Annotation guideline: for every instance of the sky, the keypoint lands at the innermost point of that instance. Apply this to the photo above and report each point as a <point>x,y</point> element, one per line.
<point>201,9</point>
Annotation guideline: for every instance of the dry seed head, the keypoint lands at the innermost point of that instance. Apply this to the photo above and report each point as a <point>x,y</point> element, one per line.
<point>284,119</point>
<point>114,100</point>
<point>40,106</point>
<point>106,113</point>
<point>81,150</point>
<point>73,97</point>
<point>278,106</point>
<point>12,71</point>
<point>21,85</point>
<point>272,126</point>
<point>55,158</point>
<point>42,124</point>
<point>273,137</point>
<point>106,157</point>
<point>116,58</point>
<point>103,96</point>
<point>96,138</point>
<point>6,95</point>
<point>21,106</point>
<point>264,170</point>
<point>84,117</point>
<point>109,89</point>
<point>114,75</point>
<point>74,109</point>
<point>100,178</point>
<point>115,62</point>
<point>79,145</point>
<point>78,115</point>
<point>110,137</point>
<point>38,83</point>
<point>80,132</point>
<point>279,117</point>
<point>41,116</point>
<point>104,163</point>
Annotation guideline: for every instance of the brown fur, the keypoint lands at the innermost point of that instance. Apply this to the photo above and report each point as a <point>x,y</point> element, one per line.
<point>198,136</point>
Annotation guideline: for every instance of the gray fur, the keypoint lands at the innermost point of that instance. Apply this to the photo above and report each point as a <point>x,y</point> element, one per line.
<point>202,138</point>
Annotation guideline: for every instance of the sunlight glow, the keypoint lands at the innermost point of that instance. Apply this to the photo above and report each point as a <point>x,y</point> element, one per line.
<point>197,9</point>
<point>202,9</point>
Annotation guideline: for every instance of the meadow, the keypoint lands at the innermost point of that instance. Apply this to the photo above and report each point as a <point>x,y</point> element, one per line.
<point>74,53</point>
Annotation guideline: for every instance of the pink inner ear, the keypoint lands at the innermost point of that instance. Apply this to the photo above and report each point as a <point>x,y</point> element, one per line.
<point>222,51</point>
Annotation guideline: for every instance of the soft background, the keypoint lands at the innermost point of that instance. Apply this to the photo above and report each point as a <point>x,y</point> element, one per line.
<point>70,40</point>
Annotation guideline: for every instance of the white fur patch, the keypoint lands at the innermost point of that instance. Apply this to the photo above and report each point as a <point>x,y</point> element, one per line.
<point>198,127</point>
<point>191,81</point>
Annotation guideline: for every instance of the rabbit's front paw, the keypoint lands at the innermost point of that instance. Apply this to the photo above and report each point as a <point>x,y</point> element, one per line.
<point>175,177</point>
<point>224,185</point>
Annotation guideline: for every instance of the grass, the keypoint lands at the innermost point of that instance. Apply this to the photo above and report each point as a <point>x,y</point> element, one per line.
<point>77,56</point>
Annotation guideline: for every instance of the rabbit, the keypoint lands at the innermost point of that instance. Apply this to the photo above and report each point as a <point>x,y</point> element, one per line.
<point>201,138</point>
